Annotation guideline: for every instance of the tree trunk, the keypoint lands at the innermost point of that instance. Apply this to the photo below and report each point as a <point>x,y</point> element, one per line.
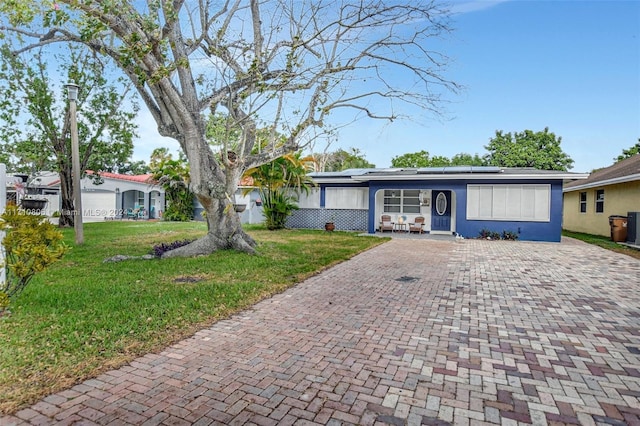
<point>224,232</point>
<point>215,187</point>
<point>66,193</point>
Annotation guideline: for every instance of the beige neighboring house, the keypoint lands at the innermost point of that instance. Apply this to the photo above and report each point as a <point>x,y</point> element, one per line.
<point>614,190</point>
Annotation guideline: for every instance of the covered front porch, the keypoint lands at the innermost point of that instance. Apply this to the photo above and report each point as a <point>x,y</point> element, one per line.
<point>407,210</point>
<point>135,204</point>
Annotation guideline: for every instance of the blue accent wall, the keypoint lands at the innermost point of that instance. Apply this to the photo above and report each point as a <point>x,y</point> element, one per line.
<point>529,231</point>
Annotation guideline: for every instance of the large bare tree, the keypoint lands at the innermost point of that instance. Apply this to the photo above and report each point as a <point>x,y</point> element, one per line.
<point>291,66</point>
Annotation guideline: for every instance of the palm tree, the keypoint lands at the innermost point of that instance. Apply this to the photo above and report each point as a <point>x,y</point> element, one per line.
<point>173,176</point>
<point>280,183</point>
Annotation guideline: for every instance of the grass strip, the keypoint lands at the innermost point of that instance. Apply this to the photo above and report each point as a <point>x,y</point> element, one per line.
<point>82,316</point>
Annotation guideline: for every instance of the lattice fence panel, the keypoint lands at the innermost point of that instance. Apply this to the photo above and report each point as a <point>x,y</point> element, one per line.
<point>344,219</point>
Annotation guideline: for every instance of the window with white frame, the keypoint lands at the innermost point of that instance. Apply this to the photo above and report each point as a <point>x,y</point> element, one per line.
<point>509,202</point>
<point>600,201</point>
<point>140,199</point>
<point>401,201</point>
<point>583,202</point>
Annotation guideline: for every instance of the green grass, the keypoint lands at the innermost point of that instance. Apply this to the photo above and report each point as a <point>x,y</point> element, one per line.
<point>604,242</point>
<point>83,316</point>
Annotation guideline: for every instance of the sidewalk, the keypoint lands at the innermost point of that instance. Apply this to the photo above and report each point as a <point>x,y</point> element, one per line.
<point>411,332</point>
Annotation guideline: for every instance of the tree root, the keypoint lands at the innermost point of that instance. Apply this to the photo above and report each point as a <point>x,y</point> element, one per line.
<point>243,243</point>
<point>210,243</point>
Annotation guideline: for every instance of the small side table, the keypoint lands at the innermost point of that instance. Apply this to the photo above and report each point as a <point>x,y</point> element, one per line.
<point>400,227</point>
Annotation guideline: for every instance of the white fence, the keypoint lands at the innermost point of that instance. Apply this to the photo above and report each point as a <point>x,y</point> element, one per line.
<point>3,204</point>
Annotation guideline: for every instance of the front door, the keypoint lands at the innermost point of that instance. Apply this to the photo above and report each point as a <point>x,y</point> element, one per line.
<point>441,211</point>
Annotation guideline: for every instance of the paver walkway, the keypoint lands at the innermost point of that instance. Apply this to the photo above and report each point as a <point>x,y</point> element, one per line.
<point>411,332</point>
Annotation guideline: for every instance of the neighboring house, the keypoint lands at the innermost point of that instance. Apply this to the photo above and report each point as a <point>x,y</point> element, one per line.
<point>40,186</point>
<point>118,196</point>
<point>121,196</point>
<point>115,196</point>
<point>453,200</point>
<point>614,190</point>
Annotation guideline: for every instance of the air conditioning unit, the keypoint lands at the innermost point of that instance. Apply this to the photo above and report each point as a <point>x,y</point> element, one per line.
<point>633,228</point>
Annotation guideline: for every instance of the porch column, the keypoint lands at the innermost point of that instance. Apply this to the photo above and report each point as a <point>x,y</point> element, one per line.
<point>147,204</point>
<point>373,214</point>
<point>118,202</point>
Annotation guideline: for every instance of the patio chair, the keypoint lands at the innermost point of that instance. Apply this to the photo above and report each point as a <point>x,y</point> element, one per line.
<point>417,225</point>
<point>385,223</point>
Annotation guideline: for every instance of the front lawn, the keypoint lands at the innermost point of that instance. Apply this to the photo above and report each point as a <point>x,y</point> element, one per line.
<point>83,316</point>
<point>604,242</point>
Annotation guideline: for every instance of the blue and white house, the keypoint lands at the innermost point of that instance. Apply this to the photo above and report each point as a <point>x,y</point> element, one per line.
<point>460,200</point>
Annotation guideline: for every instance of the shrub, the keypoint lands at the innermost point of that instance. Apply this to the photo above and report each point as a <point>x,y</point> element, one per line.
<point>509,235</point>
<point>159,249</point>
<point>487,234</point>
<point>278,206</point>
<point>31,244</point>
<point>4,301</point>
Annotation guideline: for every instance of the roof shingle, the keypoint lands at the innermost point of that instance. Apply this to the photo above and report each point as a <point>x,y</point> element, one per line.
<point>625,168</point>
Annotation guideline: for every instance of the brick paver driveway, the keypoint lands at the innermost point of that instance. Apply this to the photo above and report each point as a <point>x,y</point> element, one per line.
<point>411,332</point>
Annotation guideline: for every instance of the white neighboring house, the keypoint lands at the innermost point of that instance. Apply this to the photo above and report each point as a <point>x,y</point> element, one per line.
<point>117,196</point>
<point>121,197</point>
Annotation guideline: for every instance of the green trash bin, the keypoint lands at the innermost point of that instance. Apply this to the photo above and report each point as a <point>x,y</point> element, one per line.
<point>618,226</point>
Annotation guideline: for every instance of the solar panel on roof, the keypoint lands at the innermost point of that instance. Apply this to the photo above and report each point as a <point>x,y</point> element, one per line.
<point>431,170</point>
<point>485,169</point>
<point>459,169</point>
<point>343,173</point>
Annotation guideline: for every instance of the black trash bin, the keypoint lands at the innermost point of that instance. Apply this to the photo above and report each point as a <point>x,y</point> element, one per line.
<point>618,226</point>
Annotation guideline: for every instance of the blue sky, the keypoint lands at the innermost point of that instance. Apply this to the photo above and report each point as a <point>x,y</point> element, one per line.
<point>572,66</point>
